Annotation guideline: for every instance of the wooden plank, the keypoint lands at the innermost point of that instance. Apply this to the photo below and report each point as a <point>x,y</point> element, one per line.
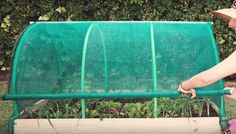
<point>208,125</point>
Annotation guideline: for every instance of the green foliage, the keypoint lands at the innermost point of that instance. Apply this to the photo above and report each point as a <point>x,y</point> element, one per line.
<point>15,16</point>
<point>230,109</point>
<point>102,108</point>
<point>167,107</point>
<point>6,109</point>
<point>180,107</point>
<point>6,24</point>
<point>55,109</point>
<point>135,110</point>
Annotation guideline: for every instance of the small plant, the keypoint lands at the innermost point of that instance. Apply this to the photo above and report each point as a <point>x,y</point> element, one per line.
<point>167,107</point>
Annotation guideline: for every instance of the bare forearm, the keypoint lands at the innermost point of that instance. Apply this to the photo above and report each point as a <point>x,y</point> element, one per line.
<point>221,70</point>
<point>198,81</point>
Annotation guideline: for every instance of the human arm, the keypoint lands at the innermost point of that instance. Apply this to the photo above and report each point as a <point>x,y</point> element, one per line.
<point>225,68</point>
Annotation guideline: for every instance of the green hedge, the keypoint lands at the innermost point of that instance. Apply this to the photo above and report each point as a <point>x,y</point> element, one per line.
<point>15,15</point>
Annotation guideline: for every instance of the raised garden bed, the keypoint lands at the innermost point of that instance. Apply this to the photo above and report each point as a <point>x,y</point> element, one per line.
<point>61,116</point>
<point>129,108</point>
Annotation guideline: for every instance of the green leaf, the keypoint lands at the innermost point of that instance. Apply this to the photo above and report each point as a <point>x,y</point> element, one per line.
<point>8,52</point>
<point>221,40</point>
<point>6,30</point>
<point>3,25</point>
<point>61,9</point>
<point>1,62</point>
<point>45,17</point>
<point>51,123</point>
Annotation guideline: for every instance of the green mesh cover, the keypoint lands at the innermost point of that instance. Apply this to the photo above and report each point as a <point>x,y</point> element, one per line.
<point>111,57</point>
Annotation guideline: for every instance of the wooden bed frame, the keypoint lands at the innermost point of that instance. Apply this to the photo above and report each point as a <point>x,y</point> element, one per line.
<point>204,125</point>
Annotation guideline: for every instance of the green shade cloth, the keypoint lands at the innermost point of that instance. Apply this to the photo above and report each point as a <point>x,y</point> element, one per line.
<point>108,57</point>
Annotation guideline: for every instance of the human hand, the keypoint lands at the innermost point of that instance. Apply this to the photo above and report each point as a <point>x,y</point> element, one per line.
<point>232,24</point>
<point>231,96</point>
<point>185,92</point>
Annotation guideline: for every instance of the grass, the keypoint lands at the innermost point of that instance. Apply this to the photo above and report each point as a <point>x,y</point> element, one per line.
<point>230,104</point>
<point>230,108</point>
<point>5,110</point>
